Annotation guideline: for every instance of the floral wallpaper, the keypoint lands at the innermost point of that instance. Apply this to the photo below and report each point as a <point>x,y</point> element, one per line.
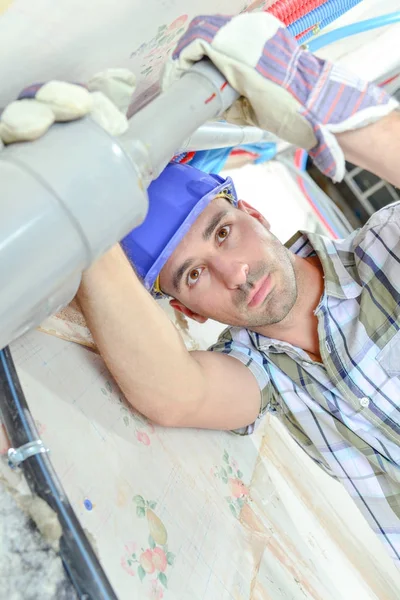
<point>153,560</point>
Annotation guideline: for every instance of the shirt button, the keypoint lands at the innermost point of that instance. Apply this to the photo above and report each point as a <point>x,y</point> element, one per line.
<point>364,402</point>
<point>305,363</point>
<point>328,347</point>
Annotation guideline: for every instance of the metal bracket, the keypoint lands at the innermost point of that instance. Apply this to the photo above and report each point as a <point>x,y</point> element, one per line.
<point>18,455</point>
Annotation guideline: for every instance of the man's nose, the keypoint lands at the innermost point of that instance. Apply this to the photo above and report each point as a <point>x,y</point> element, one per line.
<point>233,273</point>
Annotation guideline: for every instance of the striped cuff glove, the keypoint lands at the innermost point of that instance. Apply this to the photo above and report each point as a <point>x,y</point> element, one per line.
<point>285,90</point>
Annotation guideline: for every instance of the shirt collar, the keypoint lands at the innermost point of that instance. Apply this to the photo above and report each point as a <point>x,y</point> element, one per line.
<point>337,261</point>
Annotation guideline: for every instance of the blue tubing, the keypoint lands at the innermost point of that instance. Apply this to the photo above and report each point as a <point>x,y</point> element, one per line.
<point>303,162</point>
<point>332,9</point>
<point>353,29</point>
<point>322,25</point>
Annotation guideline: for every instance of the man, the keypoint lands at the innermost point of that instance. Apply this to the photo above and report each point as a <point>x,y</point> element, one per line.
<point>314,325</point>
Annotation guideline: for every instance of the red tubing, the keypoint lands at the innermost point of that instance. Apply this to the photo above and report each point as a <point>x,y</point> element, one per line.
<point>300,182</point>
<point>289,11</point>
<point>187,158</point>
<point>299,35</point>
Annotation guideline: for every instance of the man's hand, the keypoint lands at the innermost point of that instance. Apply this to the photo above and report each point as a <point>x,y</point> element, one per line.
<point>285,89</point>
<point>106,98</point>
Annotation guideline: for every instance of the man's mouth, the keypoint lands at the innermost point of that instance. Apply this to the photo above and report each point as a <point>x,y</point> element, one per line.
<point>260,292</point>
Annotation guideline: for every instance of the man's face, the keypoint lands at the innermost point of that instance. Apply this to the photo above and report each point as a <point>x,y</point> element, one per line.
<point>231,268</point>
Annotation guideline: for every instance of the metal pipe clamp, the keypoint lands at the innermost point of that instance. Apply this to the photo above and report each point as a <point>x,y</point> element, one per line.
<point>17,455</point>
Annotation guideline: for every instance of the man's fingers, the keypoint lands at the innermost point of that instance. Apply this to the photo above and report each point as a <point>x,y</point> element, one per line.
<point>25,120</point>
<point>40,105</point>
<point>117,84</point>
<point>67,100</point>
<point>107,115</point>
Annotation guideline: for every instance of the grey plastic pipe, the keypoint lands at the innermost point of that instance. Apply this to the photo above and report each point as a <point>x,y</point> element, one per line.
<point>224,135</point>
<point>64,200</point>
<point>68,197</point>
<point>157,131</point>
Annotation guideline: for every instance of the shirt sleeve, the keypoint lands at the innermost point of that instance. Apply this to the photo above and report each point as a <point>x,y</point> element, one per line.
<point>377,253</point>
<point>236,342</point>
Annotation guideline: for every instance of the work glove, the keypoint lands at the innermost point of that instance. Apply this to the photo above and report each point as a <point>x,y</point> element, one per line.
<point>105,98</point>
<point>284,89</point>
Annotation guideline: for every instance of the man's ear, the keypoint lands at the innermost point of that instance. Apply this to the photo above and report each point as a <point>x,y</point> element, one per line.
<point>253,212</point>
<point>186,311</point>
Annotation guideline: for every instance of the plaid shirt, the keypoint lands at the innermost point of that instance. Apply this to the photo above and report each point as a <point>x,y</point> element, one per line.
<point>345,411</point>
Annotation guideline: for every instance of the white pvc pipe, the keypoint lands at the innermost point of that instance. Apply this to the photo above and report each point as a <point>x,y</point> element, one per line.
<point>157,131</point>
<point>64,200</point>
<point>68,197</point>
<point>224,135</point>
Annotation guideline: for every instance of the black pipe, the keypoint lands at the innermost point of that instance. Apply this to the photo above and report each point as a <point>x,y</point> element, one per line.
<point>77,554</point>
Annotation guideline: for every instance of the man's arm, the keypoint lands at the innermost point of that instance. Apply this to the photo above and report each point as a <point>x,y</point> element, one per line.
<point>375,147</point>
<point>283,88</point>
<point>149,360</point>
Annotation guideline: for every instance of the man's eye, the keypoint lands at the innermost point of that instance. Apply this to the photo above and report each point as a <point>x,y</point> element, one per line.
<point>194,276</point>
<point>223,233</point>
